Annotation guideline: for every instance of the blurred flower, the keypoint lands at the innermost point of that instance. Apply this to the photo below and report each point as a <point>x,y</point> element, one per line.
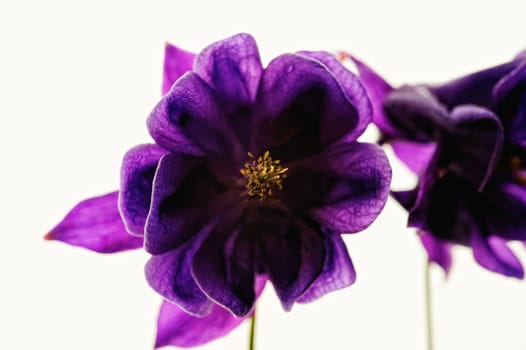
<point>253,176</point>
<point>466,141</point>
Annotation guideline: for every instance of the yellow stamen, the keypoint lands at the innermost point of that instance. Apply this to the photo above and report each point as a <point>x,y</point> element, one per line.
<point>519,172</point>
<point>263,175</point>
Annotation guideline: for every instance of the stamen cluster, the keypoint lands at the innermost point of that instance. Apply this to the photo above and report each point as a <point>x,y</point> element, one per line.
<point>263,175</point>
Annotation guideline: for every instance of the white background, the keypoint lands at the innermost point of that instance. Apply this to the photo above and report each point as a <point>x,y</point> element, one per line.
<point>77,80</point>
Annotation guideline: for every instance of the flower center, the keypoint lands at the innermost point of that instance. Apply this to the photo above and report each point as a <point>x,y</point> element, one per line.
<point>519,170</point>
<point>263,175</point>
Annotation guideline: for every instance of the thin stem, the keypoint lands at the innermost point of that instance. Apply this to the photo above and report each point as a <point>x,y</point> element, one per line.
<point>429,309</point>
<point>252,331</point>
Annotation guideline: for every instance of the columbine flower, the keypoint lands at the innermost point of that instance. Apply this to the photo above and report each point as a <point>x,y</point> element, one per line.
<point>466,140</point>
<point>253,176</point>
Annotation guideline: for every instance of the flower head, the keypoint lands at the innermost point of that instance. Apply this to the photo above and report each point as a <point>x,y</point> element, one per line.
<point>466,141</point>
<point>254,174</point>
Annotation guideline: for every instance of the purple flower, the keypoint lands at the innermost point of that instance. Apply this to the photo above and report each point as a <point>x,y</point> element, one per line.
<point>254,174</point>
<point>466,140</point>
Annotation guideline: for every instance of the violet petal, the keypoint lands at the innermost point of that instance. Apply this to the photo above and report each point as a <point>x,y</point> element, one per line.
<point>299,103</point>
<point>352,87</point>
<point>95,224</point>
<point>505,208</point>
<point>189,120</point>
<point>377,89</point>
<point>293,253</point>
<point>176,62</point>
<point>137,170</point>
<point>349,185</point>
<point>224,265</point>
<point>438,252</point>
<point>170,275</point>
<point>178,328</point>
<point>185,197</point>
<point>415,155</point>
<point>337,273</point>
<point>493,254</point>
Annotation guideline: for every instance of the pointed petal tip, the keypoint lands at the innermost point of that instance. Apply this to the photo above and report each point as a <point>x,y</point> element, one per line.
<point>49,236</point>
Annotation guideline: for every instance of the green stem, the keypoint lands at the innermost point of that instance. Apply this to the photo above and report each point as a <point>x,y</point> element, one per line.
<point>252,331</point>
<point>429,310</point>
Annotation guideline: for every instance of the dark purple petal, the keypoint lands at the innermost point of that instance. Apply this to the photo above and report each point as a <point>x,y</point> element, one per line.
<point>95,224</point>
<point>405,198</point>
<point>298,104</point>
<point>137,170</point>
<point>293,253</point>
<point>474,89</point>
<point>189,120</point>
<point>474,143</point>
<point>415,155</point>
<point>224,265</point>
<point>170,275</point>
<point>505,210</point>
<point>348,186</point>
<point>337,273</point>
<point>377,89</point>
<point>493,254</point>
<point>511,81</point>
<point>438,251</point>
<point>186,196</point>
<point>178,328</point>
<point>352,87</point>
<point>232,68</point>
<point>176,63</point>
<point>415,113</point>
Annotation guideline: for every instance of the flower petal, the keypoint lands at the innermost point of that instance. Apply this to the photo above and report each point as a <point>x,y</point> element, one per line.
<point>188,120</point>
<point>474,160</point>
<point>299,103</point>
<point>493,254</point>
<point>377,89</point>
<point>348,186</point>
<point>176,63</point>
<point>178,328</point>
<point>504,210</point>
<point>337,273</point>
<point>352,87</point>
<point>474,88</point>
<point>137,170</point>
<point>292,252</point>
<point>95,224</point>
<point>224,265</point>
<point>186,196</point>
<point>437,250</point>
<point>415,155</point>
<point>170,275</point>
<point>232,67</point>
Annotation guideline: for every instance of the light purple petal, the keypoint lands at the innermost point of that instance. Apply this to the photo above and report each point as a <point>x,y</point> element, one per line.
<point>186,196</point>
<point>137,170</point>
<point>95,224</point>
<point>493,254</point>
<point>337,273</point>
<point>351,85</point>
<point>438,251</point>
<point>189,120</point>
<point>178,328</point>
<point>415,155</point>
<point>358,178</point>
<point>224,265</point>
<point>176,63</point>
<point>378,89</point>
<point>232,68</point>
<point>299,103</point>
